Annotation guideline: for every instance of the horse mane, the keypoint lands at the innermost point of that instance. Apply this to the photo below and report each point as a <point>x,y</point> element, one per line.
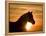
<point>25,14</point>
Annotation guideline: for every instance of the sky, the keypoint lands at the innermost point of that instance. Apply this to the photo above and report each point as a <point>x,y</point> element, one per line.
<point>16,11</point>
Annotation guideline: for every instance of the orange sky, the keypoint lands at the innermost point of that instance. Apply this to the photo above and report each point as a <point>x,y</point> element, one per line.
<point>17,10</point>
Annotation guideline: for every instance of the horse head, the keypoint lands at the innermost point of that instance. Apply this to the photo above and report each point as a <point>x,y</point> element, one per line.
<point>30,17</point>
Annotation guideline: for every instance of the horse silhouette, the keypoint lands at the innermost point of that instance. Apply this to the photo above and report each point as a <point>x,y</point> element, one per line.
<point>18,26</point>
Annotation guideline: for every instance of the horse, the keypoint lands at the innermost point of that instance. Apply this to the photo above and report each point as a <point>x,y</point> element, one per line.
<point>18,26</point>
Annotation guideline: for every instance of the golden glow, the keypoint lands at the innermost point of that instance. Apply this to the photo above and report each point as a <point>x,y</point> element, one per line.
<point>28,26</point>
<point>16,11</point>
